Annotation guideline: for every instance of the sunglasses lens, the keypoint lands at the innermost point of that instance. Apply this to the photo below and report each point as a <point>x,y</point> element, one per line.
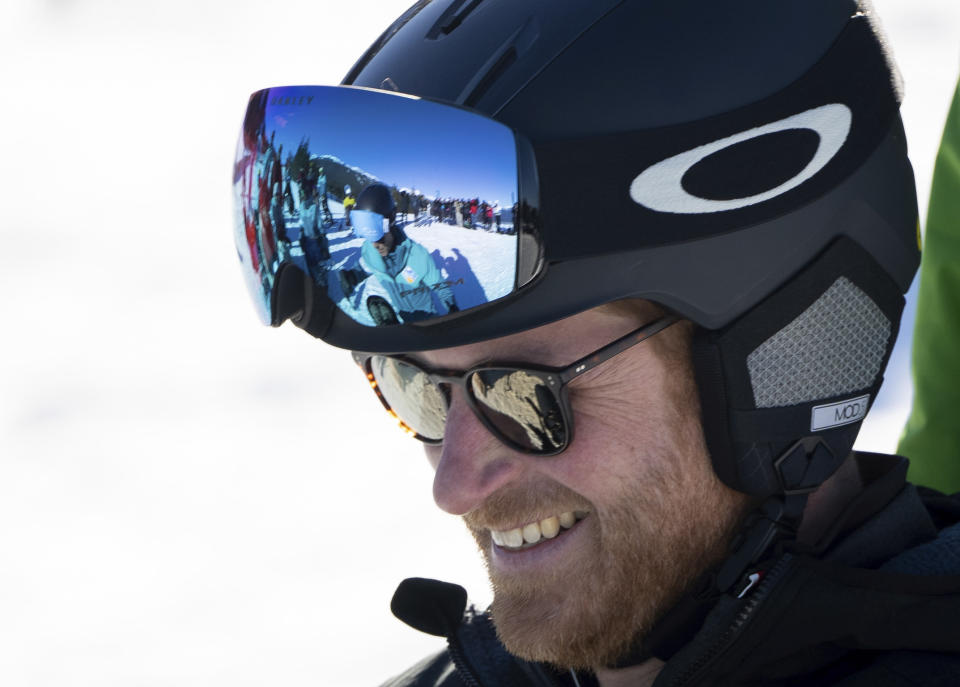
<point>521,407</point>
<point>417,402</point>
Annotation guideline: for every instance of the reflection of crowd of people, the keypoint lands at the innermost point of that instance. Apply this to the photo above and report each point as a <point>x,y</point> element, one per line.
<point>298,185</point>
<point>259,180</point>
<point>470,213</point>
<point>314,216</point>
<point>312,208</point>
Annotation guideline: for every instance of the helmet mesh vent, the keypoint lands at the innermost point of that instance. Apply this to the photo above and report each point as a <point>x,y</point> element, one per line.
<point>835,346</point>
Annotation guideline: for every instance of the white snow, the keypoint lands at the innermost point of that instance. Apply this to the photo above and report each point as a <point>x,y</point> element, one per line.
<point>491,257</point>
<point>479,265</point>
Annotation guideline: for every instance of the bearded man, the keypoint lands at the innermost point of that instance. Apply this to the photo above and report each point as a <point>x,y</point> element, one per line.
<point>639,512</point>
<point>647,425</point>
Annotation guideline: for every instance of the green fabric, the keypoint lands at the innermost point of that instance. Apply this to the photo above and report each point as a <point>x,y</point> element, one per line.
<point>932,435</point>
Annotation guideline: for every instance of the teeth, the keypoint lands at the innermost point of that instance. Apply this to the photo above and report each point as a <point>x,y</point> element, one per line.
<point>536,531</point>
<point>550,527</point>
<point>513,538</point>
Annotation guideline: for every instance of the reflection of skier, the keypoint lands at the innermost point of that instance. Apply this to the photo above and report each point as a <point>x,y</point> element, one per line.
<point>322,195</point>
<point>288,194</point>
<point>348,202</point>
<point>312,239</point>
<point>404,267</point>
<point>279,225</point>
<point>473,213</point>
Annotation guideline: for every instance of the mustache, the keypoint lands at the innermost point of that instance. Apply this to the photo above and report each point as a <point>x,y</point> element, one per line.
<point>516,505</point>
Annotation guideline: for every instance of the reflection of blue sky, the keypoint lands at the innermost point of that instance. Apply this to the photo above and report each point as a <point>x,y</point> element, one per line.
<point>405,142</point>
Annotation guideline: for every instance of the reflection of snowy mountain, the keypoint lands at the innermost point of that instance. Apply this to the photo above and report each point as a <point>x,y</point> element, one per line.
<point>335,160</point>
<point>339,174</point>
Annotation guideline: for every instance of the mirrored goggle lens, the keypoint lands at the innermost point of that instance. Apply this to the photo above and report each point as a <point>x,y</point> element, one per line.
<point>307,154</point>
<point>417,402</point>
<point>521,407</point>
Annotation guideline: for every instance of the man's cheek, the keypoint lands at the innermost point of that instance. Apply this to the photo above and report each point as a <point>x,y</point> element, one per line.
<point>614,420</point>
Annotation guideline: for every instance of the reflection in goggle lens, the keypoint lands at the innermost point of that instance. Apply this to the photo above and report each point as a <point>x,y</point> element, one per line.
<point>370,195</point>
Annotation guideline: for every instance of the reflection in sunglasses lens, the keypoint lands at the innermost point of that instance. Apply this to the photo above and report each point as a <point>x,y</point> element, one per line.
<point>520,406</point>
<point>419,403</point>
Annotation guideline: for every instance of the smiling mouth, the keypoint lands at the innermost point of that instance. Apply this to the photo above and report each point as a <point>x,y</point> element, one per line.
<point>535,533</point>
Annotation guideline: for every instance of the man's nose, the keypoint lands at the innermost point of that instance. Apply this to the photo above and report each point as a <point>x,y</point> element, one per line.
<point>473,463</point>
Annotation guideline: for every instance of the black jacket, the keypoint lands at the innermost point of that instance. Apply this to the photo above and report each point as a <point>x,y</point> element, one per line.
<point>876,603</point>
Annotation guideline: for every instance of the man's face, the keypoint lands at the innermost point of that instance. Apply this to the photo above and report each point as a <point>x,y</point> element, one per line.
<point>384,245</point>
<point>651,514</point>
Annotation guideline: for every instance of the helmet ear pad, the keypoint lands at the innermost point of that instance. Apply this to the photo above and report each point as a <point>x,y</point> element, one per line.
<point>797,371</point>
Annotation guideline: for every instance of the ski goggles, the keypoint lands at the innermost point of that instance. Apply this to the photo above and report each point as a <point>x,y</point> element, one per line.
<point>526,408</point>
<point>304,157</point>
<point>369,225</point>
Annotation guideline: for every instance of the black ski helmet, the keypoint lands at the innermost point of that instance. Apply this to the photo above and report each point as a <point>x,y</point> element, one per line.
<point>377,198</point>
<point>743,164</point>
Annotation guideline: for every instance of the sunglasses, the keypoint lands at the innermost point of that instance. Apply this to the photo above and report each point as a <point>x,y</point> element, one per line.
<point>526,407</point>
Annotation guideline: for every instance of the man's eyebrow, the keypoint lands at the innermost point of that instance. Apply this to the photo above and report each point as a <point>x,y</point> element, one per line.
<point>414,356</point>
<point>537,354</point>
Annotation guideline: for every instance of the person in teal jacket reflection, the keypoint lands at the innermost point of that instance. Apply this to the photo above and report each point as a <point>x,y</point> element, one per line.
<point>415,286</point>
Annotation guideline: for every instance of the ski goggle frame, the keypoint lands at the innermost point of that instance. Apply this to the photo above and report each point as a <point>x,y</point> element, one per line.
<point>526,407</point>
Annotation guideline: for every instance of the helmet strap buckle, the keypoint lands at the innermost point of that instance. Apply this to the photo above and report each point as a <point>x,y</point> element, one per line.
<point>800,469</point>
<point>774,523</point>
<point>804,466</point>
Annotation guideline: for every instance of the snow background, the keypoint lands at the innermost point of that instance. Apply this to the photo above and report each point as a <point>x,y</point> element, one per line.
<point>186,497</point>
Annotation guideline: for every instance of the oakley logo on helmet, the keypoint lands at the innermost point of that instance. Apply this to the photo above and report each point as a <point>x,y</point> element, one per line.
<point>660,186</point>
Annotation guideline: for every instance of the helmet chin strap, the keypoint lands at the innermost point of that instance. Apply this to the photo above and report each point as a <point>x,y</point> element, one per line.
<point>768,529</point>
